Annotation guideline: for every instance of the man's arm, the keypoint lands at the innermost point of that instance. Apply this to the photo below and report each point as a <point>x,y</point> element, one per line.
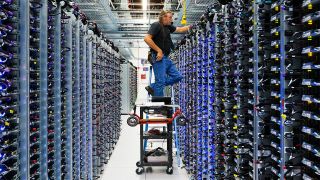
<point>151,44</point>
<point>183,29</point>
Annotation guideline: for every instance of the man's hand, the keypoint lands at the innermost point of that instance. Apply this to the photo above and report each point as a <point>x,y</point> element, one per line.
<point>159,55</point>
<point>150,42</point>
<point>183,29</point>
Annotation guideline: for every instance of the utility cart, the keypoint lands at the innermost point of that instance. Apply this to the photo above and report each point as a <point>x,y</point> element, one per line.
<point>168,113</point>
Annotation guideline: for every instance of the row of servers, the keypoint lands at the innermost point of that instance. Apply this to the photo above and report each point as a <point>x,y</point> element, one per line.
<point>129,79</point>
<point>60,93</point>
<point>251,91</point>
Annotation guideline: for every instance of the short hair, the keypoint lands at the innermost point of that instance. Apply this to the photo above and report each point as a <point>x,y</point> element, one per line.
<point>163,13</point>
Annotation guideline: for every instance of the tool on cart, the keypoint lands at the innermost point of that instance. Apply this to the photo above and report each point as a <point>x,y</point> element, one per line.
<point>158,114</point>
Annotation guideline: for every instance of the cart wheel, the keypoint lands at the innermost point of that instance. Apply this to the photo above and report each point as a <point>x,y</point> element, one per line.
<point>146,111</point>
<point>149,169</point>
<point>139,170</point>
<point>181,120</point>
<point>132,121</point>
<point>169,170</point>
<point>138,164</point>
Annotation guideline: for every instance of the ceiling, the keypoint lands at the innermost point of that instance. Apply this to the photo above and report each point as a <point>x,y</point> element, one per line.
<point>125,22</point>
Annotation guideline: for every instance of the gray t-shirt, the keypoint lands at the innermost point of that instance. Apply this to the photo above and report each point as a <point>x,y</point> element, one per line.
<point>161,36</point>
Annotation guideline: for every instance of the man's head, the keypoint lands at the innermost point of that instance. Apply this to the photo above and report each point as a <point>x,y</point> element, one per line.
<point>165,17</point>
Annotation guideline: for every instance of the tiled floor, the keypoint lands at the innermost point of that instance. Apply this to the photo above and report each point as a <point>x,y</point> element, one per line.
<point>122,165</point>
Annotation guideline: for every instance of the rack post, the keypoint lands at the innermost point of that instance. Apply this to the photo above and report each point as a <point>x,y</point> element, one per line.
<point>24,32</point>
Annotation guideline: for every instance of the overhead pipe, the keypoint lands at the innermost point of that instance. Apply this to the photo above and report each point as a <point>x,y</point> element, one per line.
<point>200,5</point>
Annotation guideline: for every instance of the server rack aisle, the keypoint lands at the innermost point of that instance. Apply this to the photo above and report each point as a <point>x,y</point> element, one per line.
<point>48,98</point>
<point>263,55</point>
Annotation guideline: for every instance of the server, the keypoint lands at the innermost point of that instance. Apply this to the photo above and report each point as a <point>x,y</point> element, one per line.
<point>129,86</point>
<point>60,92</point>
<point>250,91</point>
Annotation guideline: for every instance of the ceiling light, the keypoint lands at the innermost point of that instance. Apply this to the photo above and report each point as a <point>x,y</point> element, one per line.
<point>144,4</point>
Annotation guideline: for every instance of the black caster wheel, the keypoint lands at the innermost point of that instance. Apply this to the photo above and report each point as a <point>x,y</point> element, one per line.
<point>138,164</point>
<point>139,170</point>
<point>133,121</point>
<point>146,111</point>
<point>149,169</point>
<point>169,170</point>
<point>181,120</point>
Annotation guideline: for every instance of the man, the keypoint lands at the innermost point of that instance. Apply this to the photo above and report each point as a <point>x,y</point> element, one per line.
<point>159,40</point>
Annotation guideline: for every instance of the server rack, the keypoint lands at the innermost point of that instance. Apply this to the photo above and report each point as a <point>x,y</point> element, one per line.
<point>45,82</point>
<point>129,78</point>
<point>195,59</point>
<point>306,74</point>
<point>265,54</point>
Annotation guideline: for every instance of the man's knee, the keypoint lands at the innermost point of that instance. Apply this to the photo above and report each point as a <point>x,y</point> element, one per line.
<point>160,84</point>
<point>179,78</point>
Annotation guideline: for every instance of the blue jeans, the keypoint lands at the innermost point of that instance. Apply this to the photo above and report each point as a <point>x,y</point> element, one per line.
<point>166,74</point>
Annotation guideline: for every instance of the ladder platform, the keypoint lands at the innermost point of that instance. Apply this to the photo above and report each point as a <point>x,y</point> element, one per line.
<point>165,99</point>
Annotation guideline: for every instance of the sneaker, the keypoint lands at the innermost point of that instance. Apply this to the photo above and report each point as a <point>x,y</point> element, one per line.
<point>150,90</point>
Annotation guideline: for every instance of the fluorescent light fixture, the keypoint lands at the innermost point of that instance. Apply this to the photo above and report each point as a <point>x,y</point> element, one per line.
<point>144,5</point>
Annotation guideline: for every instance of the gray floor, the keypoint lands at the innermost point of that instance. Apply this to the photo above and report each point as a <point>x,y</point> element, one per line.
<point>122,165</point>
